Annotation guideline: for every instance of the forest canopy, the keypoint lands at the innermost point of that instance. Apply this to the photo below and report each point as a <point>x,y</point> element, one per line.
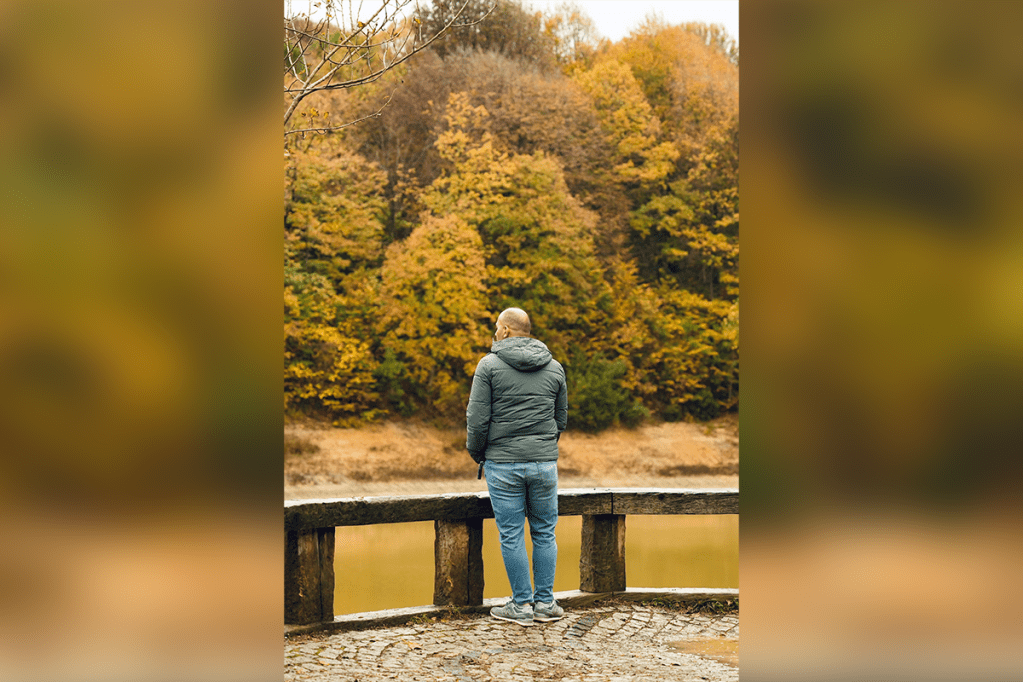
<point>520,162</point>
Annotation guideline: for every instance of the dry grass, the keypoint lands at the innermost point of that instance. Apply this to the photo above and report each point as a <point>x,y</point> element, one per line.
<point>298,445</point>
<point>412,451</point>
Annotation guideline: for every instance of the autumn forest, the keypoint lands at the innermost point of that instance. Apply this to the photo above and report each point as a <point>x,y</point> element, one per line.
<point>520,161</point>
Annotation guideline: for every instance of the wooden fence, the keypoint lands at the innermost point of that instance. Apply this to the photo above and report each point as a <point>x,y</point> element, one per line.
<point>458,546</point>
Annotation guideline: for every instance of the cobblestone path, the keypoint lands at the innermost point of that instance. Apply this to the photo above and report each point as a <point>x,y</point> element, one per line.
<point>607,642</point>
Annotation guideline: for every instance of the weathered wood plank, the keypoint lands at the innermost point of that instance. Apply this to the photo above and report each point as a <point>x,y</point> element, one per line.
<point>475,562</point>
<point>310,542</point>
<point>458,562</point>
<point>302,577</point>
<point>579,501</point>
<point>666,501</point>
<point>326,544</point>
<point>292,573</point>
<point>358,511</point>
<point>602,555</point>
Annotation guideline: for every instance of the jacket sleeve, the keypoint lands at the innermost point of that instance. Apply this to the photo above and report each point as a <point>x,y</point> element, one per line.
<point>561,405</point>
<point>477,413</point>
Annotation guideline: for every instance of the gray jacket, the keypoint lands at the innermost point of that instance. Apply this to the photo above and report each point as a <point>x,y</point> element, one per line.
<point>518,406</point>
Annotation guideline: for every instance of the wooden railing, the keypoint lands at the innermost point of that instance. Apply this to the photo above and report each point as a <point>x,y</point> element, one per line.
<point>458,547</point>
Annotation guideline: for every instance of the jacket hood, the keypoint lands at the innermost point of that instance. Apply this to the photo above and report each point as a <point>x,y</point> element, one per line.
<point>524,353</point>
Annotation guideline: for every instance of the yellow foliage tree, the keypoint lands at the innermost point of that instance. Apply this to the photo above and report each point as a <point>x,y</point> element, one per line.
<point>639,158</point>
<point>648,132</point>
<point>433,317</point>
<point>332,243</point>
<point>690,233</point>
<point>538,239</point>
<point>687,73</point>
<point>698,370</point>
<point>327,370</point>
<point>333,209</point>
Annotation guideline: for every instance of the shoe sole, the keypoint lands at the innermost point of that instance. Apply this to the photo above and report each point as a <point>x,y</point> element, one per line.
<point>523,623</point>
<point>547,619</point>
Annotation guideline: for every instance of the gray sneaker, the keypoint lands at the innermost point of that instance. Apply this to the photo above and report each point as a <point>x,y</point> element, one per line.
<point>548,612</point>
<point>514,613</point>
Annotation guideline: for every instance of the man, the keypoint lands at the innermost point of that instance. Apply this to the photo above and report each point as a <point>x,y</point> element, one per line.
<point>517,410</point>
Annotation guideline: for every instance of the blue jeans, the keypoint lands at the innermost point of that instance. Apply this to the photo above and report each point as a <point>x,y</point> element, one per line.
<point>521,490</point>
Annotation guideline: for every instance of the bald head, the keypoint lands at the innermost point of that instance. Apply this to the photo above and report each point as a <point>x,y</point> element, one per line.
<point>516,320</point>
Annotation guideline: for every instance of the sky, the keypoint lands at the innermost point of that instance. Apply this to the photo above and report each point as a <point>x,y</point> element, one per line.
<point>614,19</point>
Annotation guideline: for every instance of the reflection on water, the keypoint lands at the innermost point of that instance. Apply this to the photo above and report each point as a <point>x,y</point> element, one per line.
<point>722,650</point>
<point>391,565</point>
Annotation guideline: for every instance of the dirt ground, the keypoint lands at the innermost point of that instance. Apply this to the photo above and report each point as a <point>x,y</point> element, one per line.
<point>402,457</point>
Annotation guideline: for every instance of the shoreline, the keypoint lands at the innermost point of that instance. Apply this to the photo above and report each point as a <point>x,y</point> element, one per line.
<point>414,458</point>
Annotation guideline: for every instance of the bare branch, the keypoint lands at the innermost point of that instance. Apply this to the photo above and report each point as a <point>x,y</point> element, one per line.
<point>323,41</point>
<point>343,52</point>
<point>329,129</point>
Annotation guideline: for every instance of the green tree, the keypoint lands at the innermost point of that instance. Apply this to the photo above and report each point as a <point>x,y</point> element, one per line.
<point>639,163</point>
<point>632,334</point>
<point>597,398</point>
<point>332,246</point>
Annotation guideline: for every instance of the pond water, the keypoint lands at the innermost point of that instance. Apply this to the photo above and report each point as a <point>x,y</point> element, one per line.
<point>389,566</point>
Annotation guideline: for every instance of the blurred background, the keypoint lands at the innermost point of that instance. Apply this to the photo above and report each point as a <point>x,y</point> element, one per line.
<point>140,341</point>
<point>882,340</point>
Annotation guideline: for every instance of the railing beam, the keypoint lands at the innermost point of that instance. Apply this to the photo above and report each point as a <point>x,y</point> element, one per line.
<point>660,501</point>
<point>358,511</point>
<point>602,556</point>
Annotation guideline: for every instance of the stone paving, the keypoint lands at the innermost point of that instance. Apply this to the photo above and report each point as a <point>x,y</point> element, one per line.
<point>613,641</point>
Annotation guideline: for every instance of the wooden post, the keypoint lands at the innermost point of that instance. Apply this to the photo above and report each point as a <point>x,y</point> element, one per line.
<point>309,576</point>
<point>326,542</point>
<point>458,562</point>
<point>602,557</point>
